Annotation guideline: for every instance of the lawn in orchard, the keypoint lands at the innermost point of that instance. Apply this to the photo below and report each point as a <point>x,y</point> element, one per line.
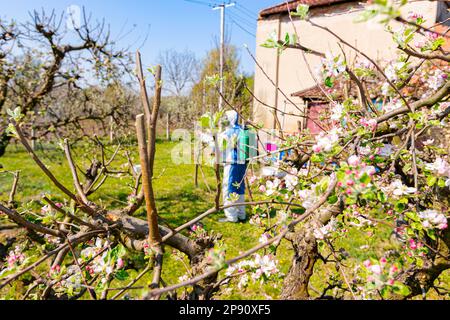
<point>178,201</point>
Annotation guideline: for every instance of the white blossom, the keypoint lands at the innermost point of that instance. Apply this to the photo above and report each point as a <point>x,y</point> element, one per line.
<point>326,230</point>
<point>439,166</point>
<point>386,150</point>
<point>291,181</point>
<point>432,219</point>
<point>337,112</point>
<point>399,189</point>
<point>272,186</point>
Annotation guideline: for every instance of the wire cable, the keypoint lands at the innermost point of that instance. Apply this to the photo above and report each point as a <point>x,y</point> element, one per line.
<point>211,5</point>
<point>250,22</point>
<point>242,28</point>
<point>249,12</point>
<point>246,24</point>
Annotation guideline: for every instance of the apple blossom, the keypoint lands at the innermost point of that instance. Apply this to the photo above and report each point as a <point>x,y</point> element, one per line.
<point>325,231</point>
<point>354,161</point>
<point>337,112</point>
<point>386,150</point>
<point>370,124</point>
<point>333,65</point>
<point>439,166</point>
<point>376,269</point>
<point>15,257</point>
<point>392,105</point>
<point>414,16</point>
<point>399,189</point>
<point>433,219</point>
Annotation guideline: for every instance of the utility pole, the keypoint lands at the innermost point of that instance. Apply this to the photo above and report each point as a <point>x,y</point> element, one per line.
<point>222,8</point>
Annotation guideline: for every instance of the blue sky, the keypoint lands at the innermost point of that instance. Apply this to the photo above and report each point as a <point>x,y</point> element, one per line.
<point>170,24</point>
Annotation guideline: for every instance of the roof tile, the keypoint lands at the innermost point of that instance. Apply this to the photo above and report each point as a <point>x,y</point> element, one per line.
<point>283,7</point>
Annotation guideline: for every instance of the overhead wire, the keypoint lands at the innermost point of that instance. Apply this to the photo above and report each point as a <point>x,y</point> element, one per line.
<point>250,23</point>
<point>211,5</point>
<point>241,27</point>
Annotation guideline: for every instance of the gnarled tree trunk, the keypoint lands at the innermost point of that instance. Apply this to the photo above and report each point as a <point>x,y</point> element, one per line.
<point>304,243</point>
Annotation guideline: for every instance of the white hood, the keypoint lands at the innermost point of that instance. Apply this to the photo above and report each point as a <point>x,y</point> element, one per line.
<point>232,117</point>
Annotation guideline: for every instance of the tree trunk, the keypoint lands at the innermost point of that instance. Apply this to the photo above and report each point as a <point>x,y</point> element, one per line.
<point>295,285</point>
<point>168,127</point>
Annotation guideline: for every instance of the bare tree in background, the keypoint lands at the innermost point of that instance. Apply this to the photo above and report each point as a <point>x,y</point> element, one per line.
<point>40,55</point>
<point>181,70</point>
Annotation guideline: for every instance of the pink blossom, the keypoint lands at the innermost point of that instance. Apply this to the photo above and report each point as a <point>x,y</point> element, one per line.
<point>376,269</point>
<point>262,188</point>
<point>367,263</point>
<point>414,15</point>
<point>354,160</point>
<point>393,269</point>
<point>46,209</point>
<point>317,148</point>
<point>431,35</point>
<point>420,44</point>
<point>371,124</point>
<point>383,260</point>
<point>120,263</point>
<point>55,268</point>
<point>349,191</point>
<point>412,244</point>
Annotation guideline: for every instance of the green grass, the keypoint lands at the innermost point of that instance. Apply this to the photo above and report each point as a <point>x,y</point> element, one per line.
<point>178,201</point>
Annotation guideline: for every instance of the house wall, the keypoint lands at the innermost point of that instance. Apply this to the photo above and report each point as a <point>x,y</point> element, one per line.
<point>293,73</point>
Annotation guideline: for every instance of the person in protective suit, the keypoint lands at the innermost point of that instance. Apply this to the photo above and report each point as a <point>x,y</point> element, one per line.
<point>235,167</point>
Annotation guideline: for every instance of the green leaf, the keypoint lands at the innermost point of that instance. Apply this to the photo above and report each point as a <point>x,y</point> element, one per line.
<point>412,215</point>
<point>205,121</point>
<point>315,158</point>
<point>15,114</point>
<point>401,289</point>
<point>431,180</point>
<point>381,197</point>
<point>122,275</point>
<point>302,11</point>
<point>417,226</point>
<point>11,130</point>
<point>365,178</point>
<point>332,199</point>
<point>329,81</point>
<point>437,43</point>
<point>432,234</point>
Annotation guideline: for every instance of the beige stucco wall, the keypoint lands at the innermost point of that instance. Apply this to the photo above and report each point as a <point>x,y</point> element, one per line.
<point>293,74</point>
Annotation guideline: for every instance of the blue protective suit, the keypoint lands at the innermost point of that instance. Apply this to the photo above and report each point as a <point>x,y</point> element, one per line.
<point>234,169</point>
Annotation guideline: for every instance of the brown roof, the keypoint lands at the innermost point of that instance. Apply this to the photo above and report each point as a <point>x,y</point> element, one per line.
<point>313,92</point>
<point>283,7</point>
<point>337,92</point>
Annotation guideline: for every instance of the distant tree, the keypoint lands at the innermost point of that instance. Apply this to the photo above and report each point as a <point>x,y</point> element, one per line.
<point>181,70</point>
<point>40,56</point>
<point>206,96</point>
